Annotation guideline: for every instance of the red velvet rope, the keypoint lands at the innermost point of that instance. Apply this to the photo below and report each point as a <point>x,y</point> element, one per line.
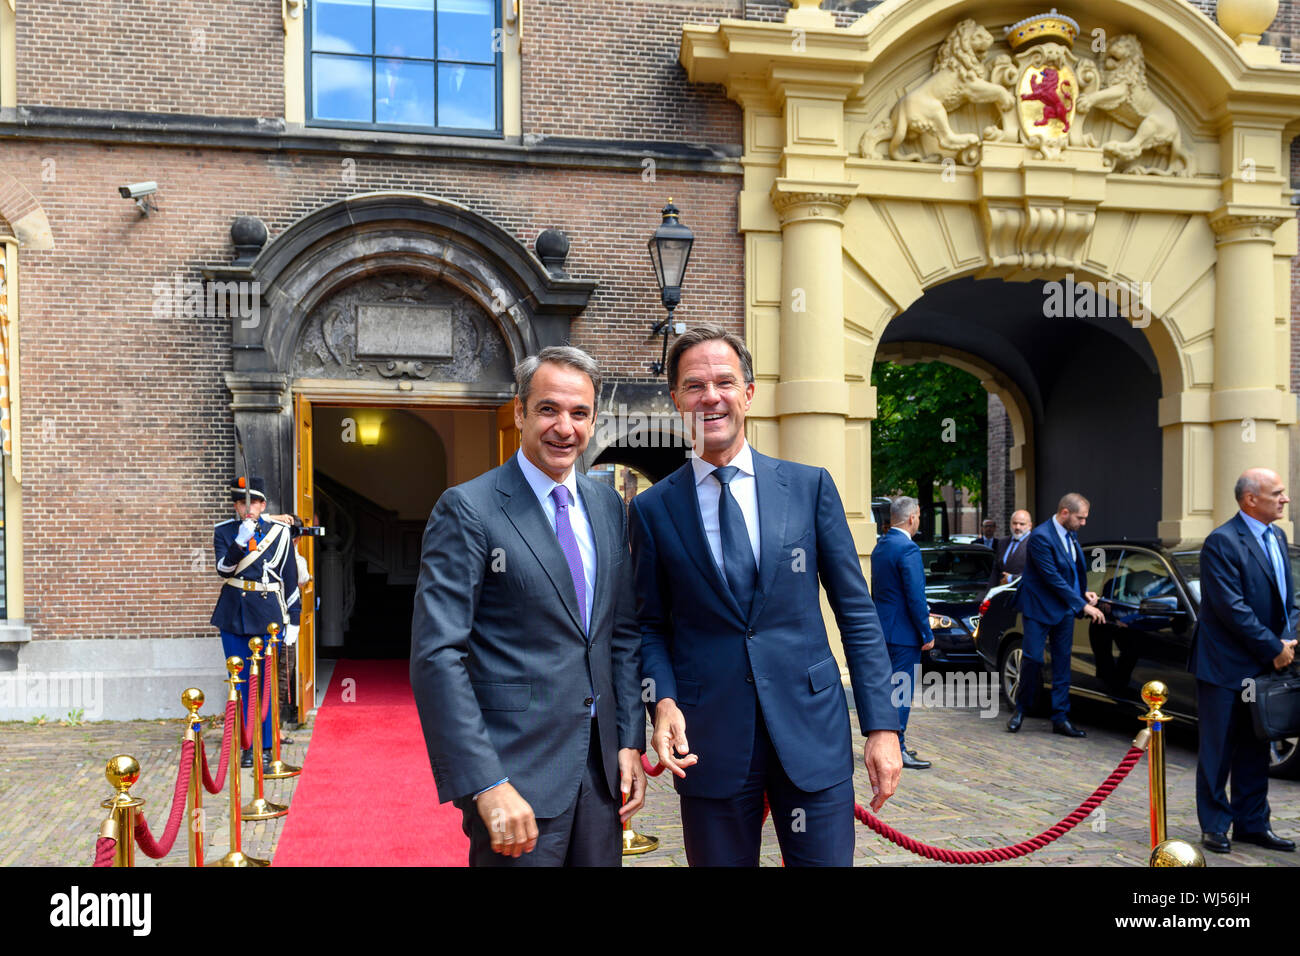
<point>651,770</point>
<point>999,854</point>
<point>214,786</point>
<point>246,732</point>
<point>266,696</point>
<point>157,849</point>
<point>105,850</point>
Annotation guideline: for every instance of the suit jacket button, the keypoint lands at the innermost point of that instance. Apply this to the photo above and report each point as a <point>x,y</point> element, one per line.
<point>588,702</point>
<point>749,633</point>
<point>749,678</point>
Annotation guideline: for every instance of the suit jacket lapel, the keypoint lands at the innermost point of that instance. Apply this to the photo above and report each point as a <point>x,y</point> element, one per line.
<point>606,543</point>
<point>685,503</point>
<point>525,513</point>
<point>1255,547</point>
<point>773,513</point>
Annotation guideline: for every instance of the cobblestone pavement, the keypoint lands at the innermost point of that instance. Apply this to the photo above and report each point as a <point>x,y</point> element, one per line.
<point>52,783</point>
<point>986,788</point>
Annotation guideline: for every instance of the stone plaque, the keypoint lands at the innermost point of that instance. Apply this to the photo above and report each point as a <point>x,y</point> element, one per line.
<point>400,330</point>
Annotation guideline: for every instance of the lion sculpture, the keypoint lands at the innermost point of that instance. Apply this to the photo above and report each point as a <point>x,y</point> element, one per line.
<point>921,116</point>
<point>1128,98</point>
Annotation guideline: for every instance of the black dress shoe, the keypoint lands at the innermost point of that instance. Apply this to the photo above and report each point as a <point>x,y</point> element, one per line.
<point>1067,729</point>
<point>1216,842</point>
<point>1265,838</point>
<point>912,752</point>
<point>911,763</point>
<point>246,758</point>
<point>1016,720</point>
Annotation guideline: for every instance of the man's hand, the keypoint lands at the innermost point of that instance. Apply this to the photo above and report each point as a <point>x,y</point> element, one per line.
<point>509,819</point>
<point>1092,597</point>
<point>1094,614</point>
<point>670,733</point>
<point>926,647</point>
<point>291,635</point>
<point>631,782</point>
<point>1287,655</point>
<point>884,760</point>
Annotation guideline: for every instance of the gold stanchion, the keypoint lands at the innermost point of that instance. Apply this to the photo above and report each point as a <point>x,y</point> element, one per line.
<point>122,772</point>
<point>192,699</point>
<point>236,856</point>
<point>1164,852</point>
<point>259,808</point>
<point>278,769</point>
<point>634,844</point>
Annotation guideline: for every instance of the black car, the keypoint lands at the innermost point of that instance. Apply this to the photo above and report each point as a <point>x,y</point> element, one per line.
<point>956,577</point>
<point>1151,597</point>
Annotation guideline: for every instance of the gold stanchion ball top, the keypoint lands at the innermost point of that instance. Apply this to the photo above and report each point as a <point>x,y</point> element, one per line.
<point>1176,853</point>
<point>234,665</point>
<point>122,772</point>
<point>1155,693</point>
<point>273,629</point>
<point>255,645</point>
<point>192,699</point>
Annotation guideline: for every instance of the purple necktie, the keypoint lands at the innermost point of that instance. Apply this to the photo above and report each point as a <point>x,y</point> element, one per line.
<point>569,545</point>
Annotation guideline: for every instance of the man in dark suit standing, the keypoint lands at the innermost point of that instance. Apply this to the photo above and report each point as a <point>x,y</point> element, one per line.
<point>898,588</point>
<point>1052,594</point>
<point>1246,627</point>
<point>988,533</point>
<point>524,648</point>
<point>1009,553</point>
<point>729,550</point>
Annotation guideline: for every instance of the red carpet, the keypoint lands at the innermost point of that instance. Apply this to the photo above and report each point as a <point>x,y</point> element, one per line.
<point>366,794</point>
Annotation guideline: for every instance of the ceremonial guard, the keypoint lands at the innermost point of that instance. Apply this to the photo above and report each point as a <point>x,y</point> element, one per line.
<point>256,556</point>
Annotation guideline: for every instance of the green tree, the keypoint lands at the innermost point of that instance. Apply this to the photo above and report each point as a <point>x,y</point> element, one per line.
<point>931,429</point>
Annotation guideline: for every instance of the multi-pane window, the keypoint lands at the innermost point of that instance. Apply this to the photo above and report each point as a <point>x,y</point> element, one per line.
<point>406,64</point>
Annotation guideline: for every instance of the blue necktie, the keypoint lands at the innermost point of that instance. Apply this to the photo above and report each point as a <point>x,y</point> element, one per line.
<point>1015,543</point>
<point>737,552</point>
<point>1275,556</point>
<point>1074,561</point>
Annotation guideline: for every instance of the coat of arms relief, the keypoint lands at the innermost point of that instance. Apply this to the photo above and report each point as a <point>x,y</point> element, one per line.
<point>1041,94</point>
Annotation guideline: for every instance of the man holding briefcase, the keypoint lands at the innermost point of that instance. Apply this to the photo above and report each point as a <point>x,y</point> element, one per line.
<point>1245,629</point>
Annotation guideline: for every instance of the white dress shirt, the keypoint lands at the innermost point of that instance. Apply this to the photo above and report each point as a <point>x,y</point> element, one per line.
<point>1064,535</point>
<point>744,488</point>
<point>542,486</point>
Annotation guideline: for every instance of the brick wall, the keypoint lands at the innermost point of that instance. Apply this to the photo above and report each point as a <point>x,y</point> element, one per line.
<point>183,56</point>
<point>636,90</point>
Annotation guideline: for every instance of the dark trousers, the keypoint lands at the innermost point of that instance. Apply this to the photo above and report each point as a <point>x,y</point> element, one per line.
<point>1229,749</point>
<point>813,829</point>
<point>588,833</point>
<point>236,645</point>
<point>1037,637</point>
<point>904,660</point>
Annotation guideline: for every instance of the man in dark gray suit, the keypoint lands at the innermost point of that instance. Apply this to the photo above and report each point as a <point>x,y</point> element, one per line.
<point>524,649</point>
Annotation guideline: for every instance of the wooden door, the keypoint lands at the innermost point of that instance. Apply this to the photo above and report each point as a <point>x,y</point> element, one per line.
<point>508,436</point>
<point>305,508</point>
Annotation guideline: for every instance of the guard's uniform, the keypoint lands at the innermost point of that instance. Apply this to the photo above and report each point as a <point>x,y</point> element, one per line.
<point>261,585</point>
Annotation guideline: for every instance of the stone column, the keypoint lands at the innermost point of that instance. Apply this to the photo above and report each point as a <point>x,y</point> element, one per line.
<point>812,399</point>
<point>1246,403</point>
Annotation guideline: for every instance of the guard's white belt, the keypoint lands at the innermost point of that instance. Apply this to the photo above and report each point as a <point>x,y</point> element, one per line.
<point>244,585</point>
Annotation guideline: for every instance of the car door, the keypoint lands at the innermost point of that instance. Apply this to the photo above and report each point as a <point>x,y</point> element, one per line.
<point>1101,562</point>
<point>1147,641</point>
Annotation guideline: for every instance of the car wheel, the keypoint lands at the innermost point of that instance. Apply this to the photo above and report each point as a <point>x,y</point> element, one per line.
<point>1009,668</point>
<point>1284,758</point>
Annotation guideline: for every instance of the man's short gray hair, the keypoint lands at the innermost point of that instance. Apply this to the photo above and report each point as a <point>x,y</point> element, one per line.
<point>901,508</point>
<point>559,355</point>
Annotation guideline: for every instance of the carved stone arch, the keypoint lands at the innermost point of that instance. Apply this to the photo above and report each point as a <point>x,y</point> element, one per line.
<point>24,215</point>
<point>421,240</point>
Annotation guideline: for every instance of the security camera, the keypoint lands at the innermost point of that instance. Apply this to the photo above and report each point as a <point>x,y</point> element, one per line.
<point>140,192</point>
<point>137,190</point>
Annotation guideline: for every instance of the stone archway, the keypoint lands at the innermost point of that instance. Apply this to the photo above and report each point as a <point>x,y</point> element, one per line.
<point>1171,174</point>
<point>394,298</point>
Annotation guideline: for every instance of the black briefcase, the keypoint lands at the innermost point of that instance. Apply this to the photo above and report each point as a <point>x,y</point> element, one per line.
<point>1275,711</point>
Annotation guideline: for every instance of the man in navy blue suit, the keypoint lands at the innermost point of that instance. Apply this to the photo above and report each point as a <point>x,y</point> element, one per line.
<point>898,588</point>
<point>1053,592</point>
<point>728,552</point>
<point>1246,627</point>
